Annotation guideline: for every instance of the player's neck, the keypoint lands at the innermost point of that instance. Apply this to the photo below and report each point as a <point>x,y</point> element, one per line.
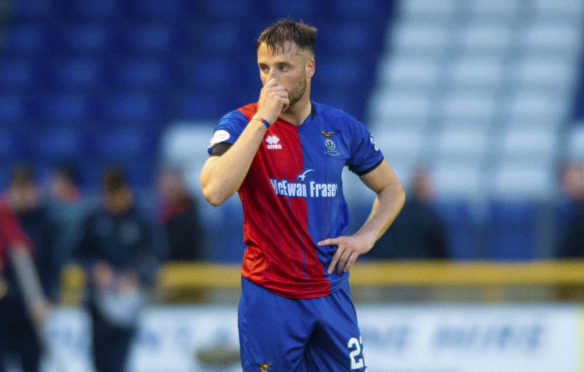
<point>299,112</point>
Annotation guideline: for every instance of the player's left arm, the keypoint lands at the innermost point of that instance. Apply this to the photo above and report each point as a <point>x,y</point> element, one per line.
<point>389,201</point>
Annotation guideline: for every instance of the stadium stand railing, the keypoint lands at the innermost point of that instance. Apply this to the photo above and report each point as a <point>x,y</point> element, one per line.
<point>374,281</point>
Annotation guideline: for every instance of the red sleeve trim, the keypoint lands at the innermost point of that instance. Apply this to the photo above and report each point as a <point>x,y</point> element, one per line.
<point>10,230</point>
<point>249,110</point>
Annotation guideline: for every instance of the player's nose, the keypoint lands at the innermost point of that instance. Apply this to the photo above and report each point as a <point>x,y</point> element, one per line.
<point>273,75</point>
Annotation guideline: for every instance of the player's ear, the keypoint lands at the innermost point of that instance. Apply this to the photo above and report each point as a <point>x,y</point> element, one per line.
<point>310,67</point>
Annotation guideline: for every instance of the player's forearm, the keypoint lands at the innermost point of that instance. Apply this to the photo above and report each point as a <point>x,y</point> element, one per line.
<point>385,209</point>
<point>222,175</point>
<point>28,279</point>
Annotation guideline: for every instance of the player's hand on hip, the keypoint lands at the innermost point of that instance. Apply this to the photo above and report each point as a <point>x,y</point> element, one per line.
<point>273,100</point>
<point>349,248</point>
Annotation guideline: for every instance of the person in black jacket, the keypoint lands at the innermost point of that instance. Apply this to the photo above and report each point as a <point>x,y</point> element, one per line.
<point>179,217</point>
<point>121,262</point>
<point>571,240</point>
<point>419,231</point>
<point>30,270</point>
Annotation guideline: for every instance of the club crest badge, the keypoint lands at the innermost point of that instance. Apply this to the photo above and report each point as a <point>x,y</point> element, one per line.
<point>330,146</point>
<point>264,366</point>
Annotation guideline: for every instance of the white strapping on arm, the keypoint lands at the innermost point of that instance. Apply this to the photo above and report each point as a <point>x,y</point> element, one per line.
<point>27,277</point>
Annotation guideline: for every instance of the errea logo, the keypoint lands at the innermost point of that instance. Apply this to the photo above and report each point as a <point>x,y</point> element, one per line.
<point>273,143</point>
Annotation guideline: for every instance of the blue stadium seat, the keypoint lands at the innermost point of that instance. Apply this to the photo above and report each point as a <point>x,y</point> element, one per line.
<point>342,84</point>
<point>90,10</point>
<point>306,10</point>
<point>229,10</point>
<point>349,39</point>
<point>14,109</point>
<point>511,228</point>
<point>460,229</point>
<point>126,145</point>
<point>86,39</point>
<point>141,175</point>
<point>346,98</point>
<point>333,73</point>
<point>204,106</point>
<point>130,108</point>
<point>18,73</point>
<point>155,10</point>
<point>223,38</point>
<point>64,107</point>
<point>211,73</point>
<point>363,10</point>
<point>34,10</point>
<point>228,248</point>
<point>339,98</point>
<point>12,146</point>
<point>147,39</point>
<point>26,40</point>
<point>143,73</point>
<point>4,178</point>
<point>57,144</point>
<point>77,73</point>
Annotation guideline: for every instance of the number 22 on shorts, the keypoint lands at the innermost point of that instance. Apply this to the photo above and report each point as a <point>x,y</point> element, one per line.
<point>356,346</point>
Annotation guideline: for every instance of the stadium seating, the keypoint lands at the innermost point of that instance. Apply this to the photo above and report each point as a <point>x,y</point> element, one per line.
<point>221,38</point>
<point>56,145</point>
<point>11,145</point>
<point>575,142</point>
<point>26,40</point>
<point>77,74</point>
<point>144,63</point>
<point>461,234</point>
<point>126,146</point>
<point>99,11</point>
<point>172,11</point>
<point>14,110</point>
<point>487,87</point>
<point>143,73</point>
<point>147,39</point>
<point>478,92</point>
<point>85,39</point>
<point>59,108</point>
<point>305,10</point>
<point>18,73</point>
<point>511,230</point>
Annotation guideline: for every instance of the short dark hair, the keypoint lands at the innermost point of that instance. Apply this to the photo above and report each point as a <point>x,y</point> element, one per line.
<point>114,179</point>
<point>22,176</point>
<point>69,173</point>
<point>288,30</point>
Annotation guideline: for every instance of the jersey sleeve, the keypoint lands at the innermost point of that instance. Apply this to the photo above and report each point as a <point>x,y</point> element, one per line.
<point>365,155</point>
<point>10,232</point>
<point>228,129</point>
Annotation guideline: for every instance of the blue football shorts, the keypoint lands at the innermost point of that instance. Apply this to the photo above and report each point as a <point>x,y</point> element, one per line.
<point>278,334</point>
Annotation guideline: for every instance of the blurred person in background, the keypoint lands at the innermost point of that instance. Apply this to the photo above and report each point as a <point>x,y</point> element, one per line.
<point>284,155</point>
<point>27,265</point>
<point>116,249</point>
<point>68,211</point>
<point>178,214</point>
<point>24,200</point>
<point>571,239</point>
<point>418,232</point>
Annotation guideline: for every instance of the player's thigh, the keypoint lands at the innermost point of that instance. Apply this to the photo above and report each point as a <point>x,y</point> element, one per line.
<point>336,344</point>
<point>273,330</point>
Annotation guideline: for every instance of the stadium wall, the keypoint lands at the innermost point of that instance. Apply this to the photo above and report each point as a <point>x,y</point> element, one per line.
<point>436,338</point>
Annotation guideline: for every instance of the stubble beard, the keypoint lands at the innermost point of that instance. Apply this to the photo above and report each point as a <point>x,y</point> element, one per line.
<point>295,95</point>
